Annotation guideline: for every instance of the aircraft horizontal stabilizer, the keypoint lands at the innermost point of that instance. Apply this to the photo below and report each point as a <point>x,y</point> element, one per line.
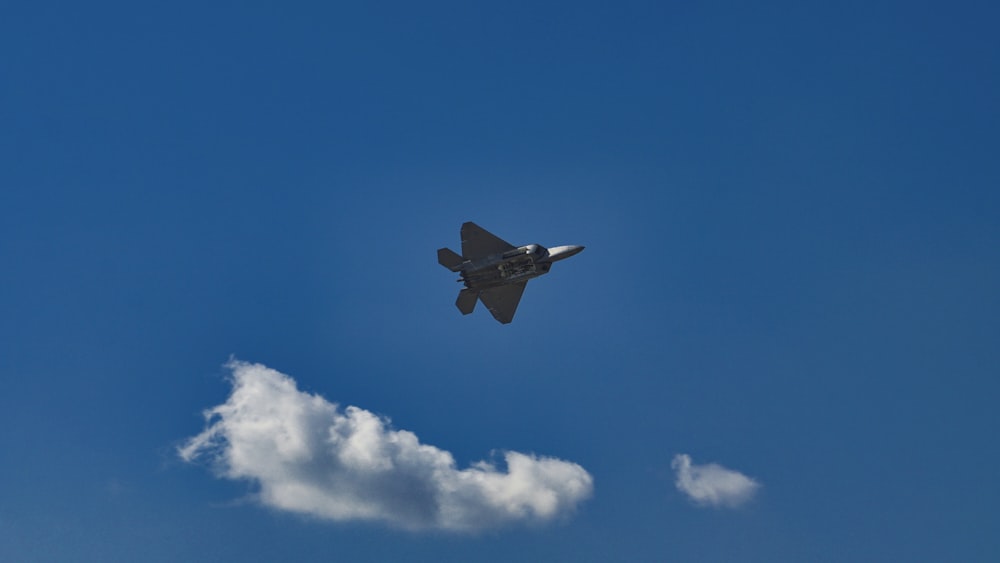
<point>467,300</point>
<point>450,260</point>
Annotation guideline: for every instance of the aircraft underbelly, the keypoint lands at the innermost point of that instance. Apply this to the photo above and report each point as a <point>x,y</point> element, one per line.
<point>521,268</point>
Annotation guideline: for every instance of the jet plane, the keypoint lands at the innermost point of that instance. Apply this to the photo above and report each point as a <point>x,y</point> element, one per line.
<point>495,271</point>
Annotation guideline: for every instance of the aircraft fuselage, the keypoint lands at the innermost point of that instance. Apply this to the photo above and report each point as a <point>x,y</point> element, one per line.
<point>522,263</point>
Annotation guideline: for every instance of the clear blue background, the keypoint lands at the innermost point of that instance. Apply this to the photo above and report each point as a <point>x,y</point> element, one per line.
<point>792,223</point>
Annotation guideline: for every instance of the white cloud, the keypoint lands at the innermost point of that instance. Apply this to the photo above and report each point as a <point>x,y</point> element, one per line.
<point>712,484</point>
<point>310,456</point>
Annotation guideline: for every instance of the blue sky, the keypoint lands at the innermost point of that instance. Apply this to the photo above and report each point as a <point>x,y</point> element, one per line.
<point>791,220</point>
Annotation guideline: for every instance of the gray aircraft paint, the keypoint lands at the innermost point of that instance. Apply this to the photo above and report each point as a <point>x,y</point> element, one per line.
<point>495,271</point>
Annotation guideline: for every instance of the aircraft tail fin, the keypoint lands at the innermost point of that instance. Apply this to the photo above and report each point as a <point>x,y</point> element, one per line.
<point>467,300</point>
<point>450,260</point>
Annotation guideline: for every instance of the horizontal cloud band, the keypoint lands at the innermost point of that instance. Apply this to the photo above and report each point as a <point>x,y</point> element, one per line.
<point>309,456</point>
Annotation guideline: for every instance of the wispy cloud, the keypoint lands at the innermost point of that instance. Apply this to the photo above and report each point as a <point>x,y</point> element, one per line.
<point>712,484</point>
<point>310,456</point>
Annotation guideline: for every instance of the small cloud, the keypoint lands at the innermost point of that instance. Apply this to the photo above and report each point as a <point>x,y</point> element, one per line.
<point>309,456</point>
<point>712,484</point>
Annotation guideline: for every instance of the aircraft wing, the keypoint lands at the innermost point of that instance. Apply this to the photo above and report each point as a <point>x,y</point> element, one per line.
<point>502,301</point>
<point>478,243</point>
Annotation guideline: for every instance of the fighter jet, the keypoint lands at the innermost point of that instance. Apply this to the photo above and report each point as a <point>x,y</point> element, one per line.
<point>495,271</point>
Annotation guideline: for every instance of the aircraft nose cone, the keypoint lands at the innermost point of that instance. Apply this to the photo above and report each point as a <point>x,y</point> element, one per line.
<point>563,252</point>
